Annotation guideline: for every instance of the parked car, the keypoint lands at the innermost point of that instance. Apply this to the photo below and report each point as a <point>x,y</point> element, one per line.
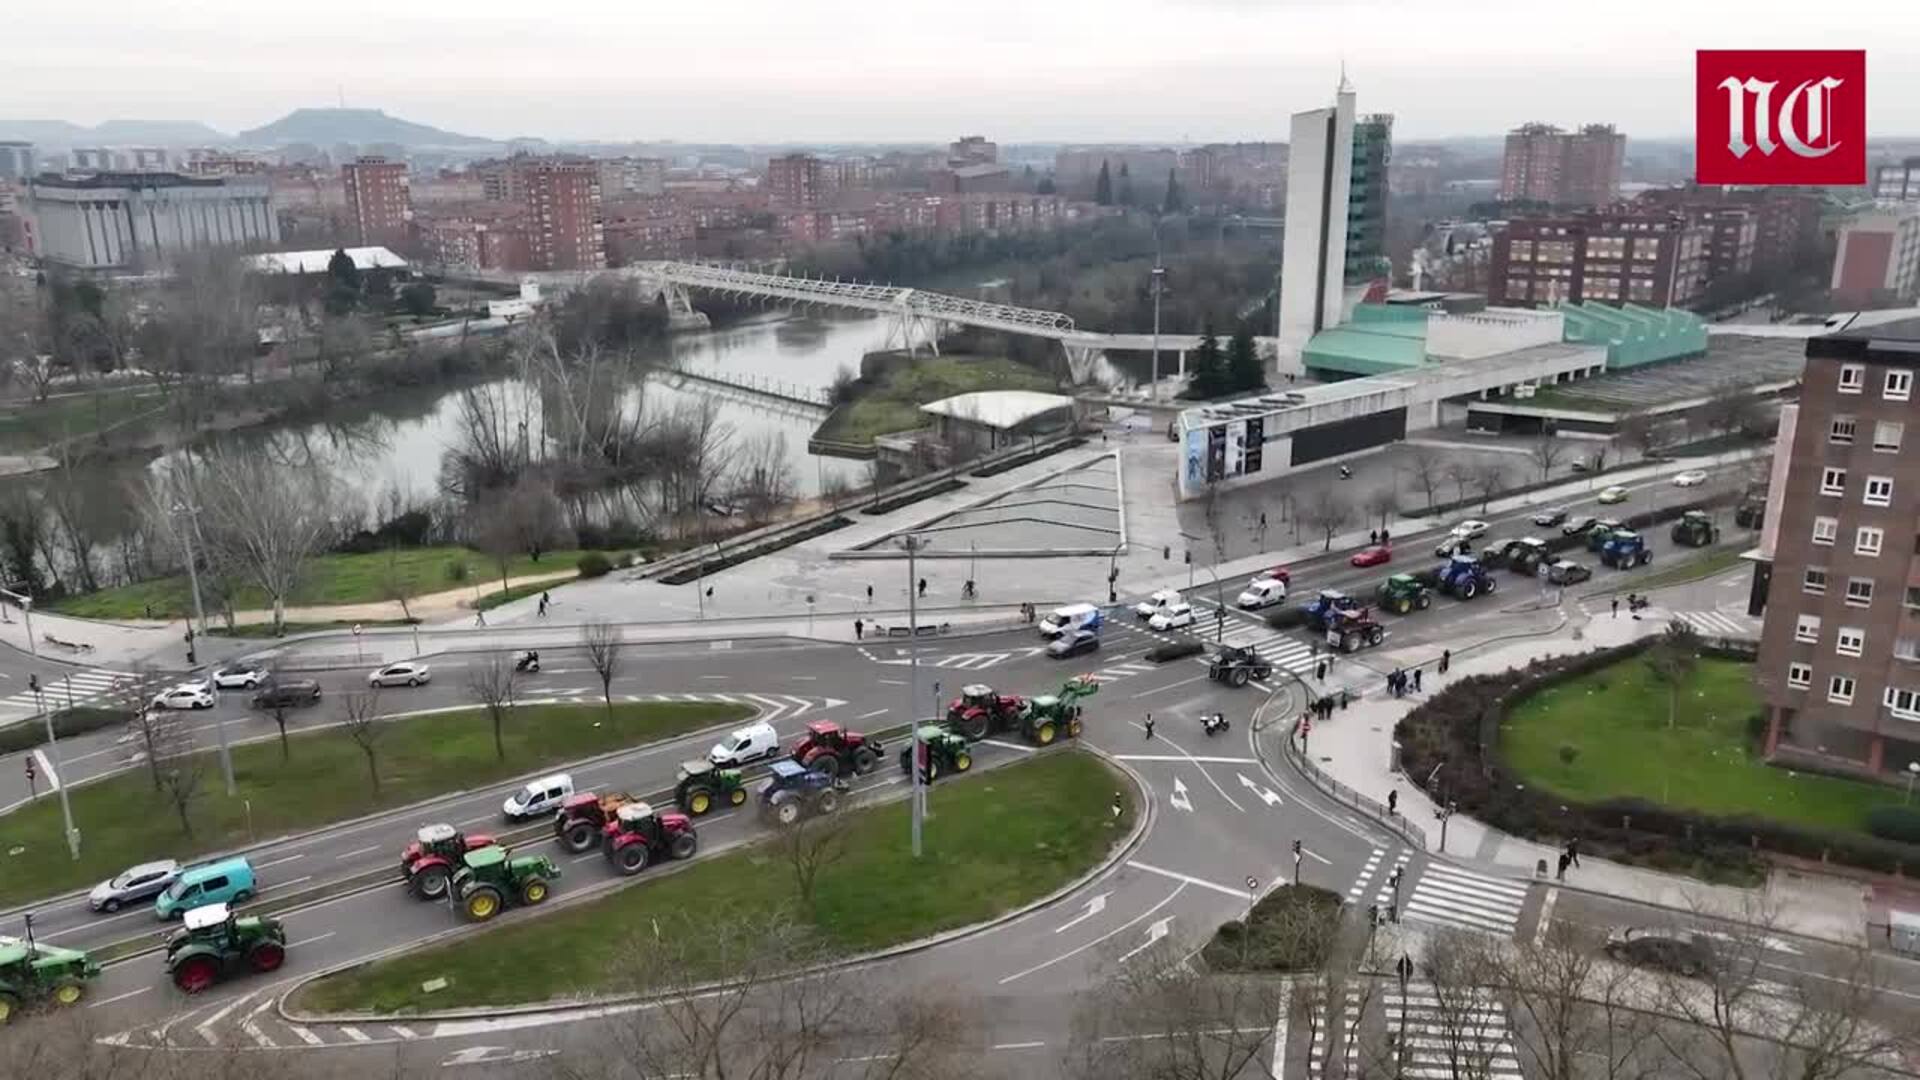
<point>1261,593</point>
<point>1377,555</point>
<point>1156,603</point>
<point>1690,478</point>
<point>538,796</point>
<point>1567,572</point>
<point>281,693</point>
<point>133,885</point>
<point>1172,617</point>
<point>1674,951</point>
<point>1080,641</point>
<point>1451,545</point>
<point>185,696</point>
<point>1579,525</point>
<point>404,673</point>
<point>746,745</point>
<point>1546,519</point>
<point>228,881</point>
<point>1614,494</point>
<point>244,675</point>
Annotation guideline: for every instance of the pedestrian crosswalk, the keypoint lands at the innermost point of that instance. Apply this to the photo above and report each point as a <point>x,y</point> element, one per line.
<point>1285,651</point>
<point>1461,1031</point>
<point>74,688</point>
<point>1350,1013</point>
<point>1720,623</point>
<point>1450,896</point>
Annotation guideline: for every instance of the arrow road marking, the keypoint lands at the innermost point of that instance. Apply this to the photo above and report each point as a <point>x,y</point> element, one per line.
<point>1094,907</point>
<point>1121,929</point>
<point>1179,797</point>
<point>1158,930</point>
<point>493,1055</point>
<point>1266,796</point>
<point>1190,757</point>
<point>1187,879</point>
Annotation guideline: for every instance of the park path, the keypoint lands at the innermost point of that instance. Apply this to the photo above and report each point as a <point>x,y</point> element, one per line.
<point>426,607</point>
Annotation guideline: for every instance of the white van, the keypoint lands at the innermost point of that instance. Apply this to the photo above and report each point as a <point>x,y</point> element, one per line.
<point>1261,593</point>
<point>538,797</point>
<point>1068,619</point>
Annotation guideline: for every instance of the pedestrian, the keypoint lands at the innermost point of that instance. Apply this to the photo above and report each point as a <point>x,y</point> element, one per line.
<point>1345,696</point>
<point>1320,671</point>
<point>1386,537</point>
<point>1573,852</point>
<point>1373,537</point>
<point>923,588</point>
<point>1149,725</point>
<point>1113,597</point>
<point>479,617</point>
<point>869,593</point>
<point>1616,607</point>
<point>545,599</point>
<point>859,630</point>
<point>1416,680</point>
<point>1393,802</point>
<point>1561,873</point>
<point>149,611</point>
<point>1263,521</point>
<point>1390,687</point>
<point>1446,660</point>
<point>1117,805</point>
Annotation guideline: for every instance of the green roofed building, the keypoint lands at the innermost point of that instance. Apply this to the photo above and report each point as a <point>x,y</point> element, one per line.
<point>1635,335</point>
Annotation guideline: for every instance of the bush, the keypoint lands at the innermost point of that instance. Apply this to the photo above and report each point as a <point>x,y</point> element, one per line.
<point>593,564</point>
<point>1178,650</point>
<point>1568,752</point>
<point>1900,823</point>
<point>66,723</point>
<point>1292,928</point>
<point>1290,618</point>
<point>457,570</point>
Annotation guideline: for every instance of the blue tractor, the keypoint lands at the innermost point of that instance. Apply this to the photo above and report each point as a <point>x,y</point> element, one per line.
<point>1320,610</point>
<point>1464,578</point>
<point>1625,550</point>
<point>794,791</point>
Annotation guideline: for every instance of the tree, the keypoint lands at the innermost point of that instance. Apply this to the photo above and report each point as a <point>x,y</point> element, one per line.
<point>419,299</point>
<point>1327,513</point>
<point>360,716</point>
<point>1245,371</point>
<point>1381,503</point>
<point>1157,1016</point>
<point>521,520</point>
<point>1124,190</point>
<point>1103,187</point>
<point>260,519</point>
<point>343,283</point>
<point>1489,479</point>
<point>1426,466</point>
<point>1571,1008</point>
<point>161,733</point>
<point>1671,661</point>
<point>1045,186</point>
<point>1175,200</point>
<point>602,641</point>
<point>1460,967</point>
<point>810,846</point>
<point>763,480</point>
<point>1546,452</point>
<point>1207,378</point>
<point>491,682</point>
<point>180,782</point>
<point>1638,431</point>
<point>395,586</point>
<point>1460,475</point>
<point>282,710</point>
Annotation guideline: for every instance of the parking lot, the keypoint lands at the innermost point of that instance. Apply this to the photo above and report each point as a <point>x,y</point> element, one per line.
<point>1731,360</point>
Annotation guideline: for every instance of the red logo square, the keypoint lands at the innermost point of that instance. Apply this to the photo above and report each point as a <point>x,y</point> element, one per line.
<point>1786,116</point>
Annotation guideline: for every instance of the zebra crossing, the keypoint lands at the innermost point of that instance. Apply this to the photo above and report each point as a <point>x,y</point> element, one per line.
<point>1464,1032</point>
<point>1450,896</point>
<point>1720,623</point>
<point>1283,650</point>
<point>76,688</point>
<point>1350,1012</point>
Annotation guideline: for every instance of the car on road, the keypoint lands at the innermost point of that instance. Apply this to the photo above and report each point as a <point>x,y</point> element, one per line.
<point>538,796</point>
<point>1690,478</point>
<point>1568,572</point>
<point>1172,617</point>
<point>746,745</point>
<point>1675,951</point>
<point>282,693</point>
<point>1080,641</point>
<point>244,675</point>
<point>1579,525</point>
<point>185,696</point>
<point>227,881</point>
<point>1156,603</point>
<point>1261,593</point>
<point>1377,555</point>
<point>1066,620</point>
<point>1471,529</point>
<point>1614,494</point>
<point>133,885</point>
<point>1276,573</point>
<point>404,673</point>
<point>1546,519</point>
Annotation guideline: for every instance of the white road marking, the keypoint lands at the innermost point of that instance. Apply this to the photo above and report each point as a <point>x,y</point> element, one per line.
<point>1203,772</point>
<point>1185,879</point>
<point>1095,906</point>
<point>119,997</point>
<point>306,1036</point>
<point>402,1031</point>
<point>252,1029</point>
<point>277,862</point>
<point>1188,758</point>
<point>355,1034</point>
<point>205,1028</point>
<point>1546,916</point>
<point>870,715</point>
<point>1279,1070</point>
<point>1009,746</point>
<point>357,851</point>
<point>45,768</point>
<point>311,940</point>
<point>1179,800</point>
<point>1169,686</point>
<point>1122,928</point>
<point>1159,929</point>
<point>1263,793</point>
<point>1017,1046</point>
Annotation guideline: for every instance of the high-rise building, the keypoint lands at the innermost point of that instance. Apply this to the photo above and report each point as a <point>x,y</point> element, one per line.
<point>972,150</point>
<point>1878,256</point>
<point>128,220</point>
<point>797,181</point>
<point>1893,183</point>
<point>1658,260</point>
<point>379,204</point>
<point>1367,199</point>
<point>16,161</point>
<point>1839,666</point>
<point>1313,252</point>
<point>1562,168</point>
<point>566,230</point>
<point>1733,234</point>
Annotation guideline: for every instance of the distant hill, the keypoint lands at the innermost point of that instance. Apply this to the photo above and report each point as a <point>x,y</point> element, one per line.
<point>160,132</point>
<point>324,127</point>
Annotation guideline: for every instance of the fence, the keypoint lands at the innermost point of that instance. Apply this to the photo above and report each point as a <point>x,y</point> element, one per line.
<point>1346,796</point>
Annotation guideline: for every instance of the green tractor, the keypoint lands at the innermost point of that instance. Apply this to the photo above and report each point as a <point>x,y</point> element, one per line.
<point>215,943</point>
<point>941,750</point>
<point>701,786</point>
<point>31,973</point>
<point>1695,529</point>
<point>1050,716</point>
<point>492,878</point>
<point>1402,593</point>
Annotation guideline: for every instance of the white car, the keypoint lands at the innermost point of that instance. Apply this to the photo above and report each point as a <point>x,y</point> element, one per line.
<point>240,676</point>
<point>185,696</point>
<point>1172,617</point>
<point>1156,603</point>
<point>538,796</point>
<point>404,673</point>
<point>1690,478</point>
<point>746,745</point>
<point>1470,529</point>
<point>1261,593</point>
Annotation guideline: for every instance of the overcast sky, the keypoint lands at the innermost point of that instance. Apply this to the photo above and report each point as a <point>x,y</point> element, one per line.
<point>923,70</point>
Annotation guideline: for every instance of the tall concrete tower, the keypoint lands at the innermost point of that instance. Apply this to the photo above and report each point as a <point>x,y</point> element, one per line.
<point>1314,255</point>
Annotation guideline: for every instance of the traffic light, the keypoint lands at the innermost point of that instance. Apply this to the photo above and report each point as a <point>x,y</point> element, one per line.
<point>33,682</point>
<point>1296,849</point>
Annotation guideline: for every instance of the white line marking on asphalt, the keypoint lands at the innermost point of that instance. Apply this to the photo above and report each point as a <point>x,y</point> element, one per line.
<point>311,940</point>
<point>1169,686</point>
<point>403,1032</point>
<point>1095,906</point>
<point>1187,758</point>
<point>716,676</point>
<point>95,923</point>
<point>306,1036</point>
<point>119,997</point>
<point>277,862</point>
<point>1159,929</point>
<point>1017,1046</point>
<point>870,715</point>
<point>1279,1070</point>
<point>1009,745</point>
<point>893,682</point>
<point>355,1034</point>
<point>356,851</point>
<point>205,1028</point>
<point>1122,928</point>
<point>1546,916</point>
<point>252,1029</point>
<point>1186,879</point>
<point>1202,768</point>
<point>1314,855</point>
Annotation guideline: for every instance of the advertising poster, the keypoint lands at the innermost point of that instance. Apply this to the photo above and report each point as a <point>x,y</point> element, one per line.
<point>1256,437</point>
<point>1216,451</point>
<point>1236,446</point>
<point>1196,458</point>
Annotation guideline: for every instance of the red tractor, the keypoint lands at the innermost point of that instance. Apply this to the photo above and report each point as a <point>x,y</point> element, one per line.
<point>979,712</point>
<point>831,749</point>
<point>637,836</point>
<point>582,818</point>
<point>434,855</point>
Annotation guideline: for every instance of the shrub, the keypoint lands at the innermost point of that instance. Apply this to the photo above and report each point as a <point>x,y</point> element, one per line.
<point>1900,823</point>
<point>593,564</point>
<point>1178,650</point>
<point>457,570</point>
<point>1287,618</point>
<point>1568,752</point>
<point>1292,928</point>
<point>66,723</point>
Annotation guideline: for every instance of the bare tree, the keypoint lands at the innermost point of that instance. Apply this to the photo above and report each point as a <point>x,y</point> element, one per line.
<point>160,732</point>
<point>1326,513</point>
<point>281,710</point>
<point>1572,1008</point>
<point>180,782</point>
<point>1671,661</point>
<point>1460,967</point>
<point>521,520</point>
<point>491,682</point>
<point>809,846</point>
<point>394,586</point>
<point>360,716</point>
<point>602,641</point>
<point>1427,467</point>
<point>1546,452</point>
<point>1381,503</point>
<point>762,483</point>
<point>1157,1016</point>
<point>1460,475</point>
<point>261,520</point>
<point>1638,431</point>
<point>1489,479</point>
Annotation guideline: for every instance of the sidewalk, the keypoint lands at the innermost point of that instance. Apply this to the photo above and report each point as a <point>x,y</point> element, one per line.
<point>1355,748</point>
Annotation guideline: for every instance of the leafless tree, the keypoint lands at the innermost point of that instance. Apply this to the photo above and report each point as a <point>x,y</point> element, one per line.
<point>260,521</point>
<point>1381,503</point>
<point>1671,661</point>
<point>1326,513</point>
<point>1157,1016</point>
<point>1546,452</point>
<point>1571,1008</point>
<point>603,643</point>
<point>810,846</point>
<point>180,781</point>
<point>491,682</point>
<point>394,585</point>
<point>1489,479</point>
<point>1460,475</point>
<point>1460,967</point>
<point>1426,467</point>
<point>282,711</point>
<point>521,520</point>
<point>360,716</point>
<point>762,483</point>
<point>1638,431</point>
<point>78,518</point>
<point>160,732</point>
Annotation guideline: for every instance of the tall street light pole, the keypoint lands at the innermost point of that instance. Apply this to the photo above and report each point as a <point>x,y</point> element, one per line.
<point>914,543</point>
<point>58,770</point>
<point>1159,276</point>
<point>200,615</point>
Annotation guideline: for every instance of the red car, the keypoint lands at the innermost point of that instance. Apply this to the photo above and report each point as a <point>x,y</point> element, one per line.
<point>1277,573</point>
<point>1373,556</point>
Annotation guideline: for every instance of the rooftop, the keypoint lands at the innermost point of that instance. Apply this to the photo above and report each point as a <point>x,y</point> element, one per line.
<point>102,180</point>
<point>997,408</point>
<point>315,261</point>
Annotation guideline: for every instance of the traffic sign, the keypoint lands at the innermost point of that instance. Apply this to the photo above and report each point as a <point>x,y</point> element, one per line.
<point>30,773</point>
<point>1252,883</point>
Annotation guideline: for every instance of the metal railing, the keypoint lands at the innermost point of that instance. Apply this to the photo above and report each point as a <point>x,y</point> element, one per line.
<point>1348,797</point>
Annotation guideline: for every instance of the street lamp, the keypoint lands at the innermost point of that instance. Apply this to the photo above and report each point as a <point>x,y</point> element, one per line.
<point>913,543</point>
<point>57,779</point>
<point>1159,279</point>
<point>200,614</point>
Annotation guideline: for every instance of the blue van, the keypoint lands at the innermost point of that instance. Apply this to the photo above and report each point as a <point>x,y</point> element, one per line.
<point>229,881</point>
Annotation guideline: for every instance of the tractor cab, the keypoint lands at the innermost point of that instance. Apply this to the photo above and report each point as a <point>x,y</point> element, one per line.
<point>485,860</point>
<point>637,836</point>
<point>1328,601</point>
<point>793,790</point>
<point>701,785</point>
<point>830,748</point>
<point>826,733</point>
<point>441,841</point>
<point>214,943</point>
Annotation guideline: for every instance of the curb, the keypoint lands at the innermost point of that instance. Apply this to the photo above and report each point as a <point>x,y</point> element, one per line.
<point>1120,851</point>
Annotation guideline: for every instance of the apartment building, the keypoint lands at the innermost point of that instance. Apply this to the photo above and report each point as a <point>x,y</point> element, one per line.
<point>1564,168</point>
<point>1898,182</point>
<point>566,230</point>
<point>379,204</point>
<point>1878,258</point>
<point>1657,260</point>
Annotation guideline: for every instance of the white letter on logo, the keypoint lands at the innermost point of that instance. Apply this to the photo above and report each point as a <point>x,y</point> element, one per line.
<point>1816,118</point>
<point>1737,92</point>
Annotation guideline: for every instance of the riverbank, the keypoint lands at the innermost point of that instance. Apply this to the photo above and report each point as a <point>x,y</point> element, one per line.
<point>889,403</point>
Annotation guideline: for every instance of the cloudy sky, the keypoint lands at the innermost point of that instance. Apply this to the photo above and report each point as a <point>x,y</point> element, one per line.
<point>923,70</point>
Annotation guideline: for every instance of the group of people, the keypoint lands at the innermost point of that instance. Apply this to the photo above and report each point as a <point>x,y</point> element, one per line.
<point>1568,857</point>
<point>1323,707</point>
<point>1634,603</point>
<point>1379,537</point>
<point>1401,682</point>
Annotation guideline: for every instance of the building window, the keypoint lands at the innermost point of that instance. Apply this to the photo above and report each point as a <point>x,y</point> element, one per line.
<point>1833,481</point>
<point>1904,704</point>
<point>1807,630</point>
<point>1879,491</point>
<point>1867,539</point>
<point>1852,378</point>
<point>1899,385</point>
<point>1859,592</point>
<point>1906,648</point>
<point>1825,529</point>
<point>1840,690</point>
<point>1850,641</point>
<point>1815,580</point>
<point>1799,676</point>
<point>1842,430</point>
<point>1887,435</point>
<point>1913,598</point>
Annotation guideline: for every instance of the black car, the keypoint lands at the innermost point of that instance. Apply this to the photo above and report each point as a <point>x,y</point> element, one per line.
<point>1579,525</point>
<point>285,692</point>
<point>1080,641</point>
<point>1549,518</point>
<point>1673,951</point>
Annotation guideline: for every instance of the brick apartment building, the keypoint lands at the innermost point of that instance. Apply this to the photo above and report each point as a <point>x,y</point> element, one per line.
<point>480,237</point>
<point>379,204</point>
<point>1899,182</point>
<point>797,181</point>
<point>1656,260</point>
<point>1563,168</point>
<point>1877,258</point>
<point>565,230</point>
<point>1786,223</point>
<point>1839,662</point>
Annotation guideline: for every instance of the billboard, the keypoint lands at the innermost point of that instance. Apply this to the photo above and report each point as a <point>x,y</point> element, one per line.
<point>1236,447</point>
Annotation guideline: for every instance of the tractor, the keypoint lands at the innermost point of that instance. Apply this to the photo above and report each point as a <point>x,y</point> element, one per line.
<point>637,836</point>
<point>979,712</point>
<point>215,943</point>
<point>31,973</point>
<point>1601,532</point>
<point>491,878</point>
<point>1402,593</point>
<point>431,859</point>
<point>701,784</point>
<point>794,791</point>
<point>1349,630</point>
<point>1050,716</point>
<point>1751,514</point>
<point>1320,609</point>
<point>1237,665</point>
<point>583,817</point>
<point>831,749</point>
<point>1626,550</point>
<point>1524,556</point>
<point>1464,578</point>
<point>1695,529</point>
<point>941,751</point>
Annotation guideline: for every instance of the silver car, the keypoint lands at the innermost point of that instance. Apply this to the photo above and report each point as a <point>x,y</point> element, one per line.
<point>133,885</point>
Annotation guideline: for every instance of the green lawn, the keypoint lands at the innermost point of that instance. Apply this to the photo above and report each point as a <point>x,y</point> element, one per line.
<point>34,425</point>
<point>996,840</point>
<point>330,579</point>
<point>266,629</point>
<point>123,820</point>
<point>1617,719</point>
<point>894,405</point>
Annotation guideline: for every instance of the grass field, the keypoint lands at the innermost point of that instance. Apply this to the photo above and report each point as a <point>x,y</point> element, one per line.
<point>330,579</point>
<point>35,424</point>
<point>1617,721</point>
<point>124,821</point>
<point>894,405</point>
<point>997,840</point>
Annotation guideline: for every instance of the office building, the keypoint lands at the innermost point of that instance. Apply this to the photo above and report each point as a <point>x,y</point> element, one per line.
<point>1651,259</point>
<point>798,181</point>
<point>379,204</point>
<point>1877,258</point>
<point>972,150</point>
<point>1367,199</point>
<point>1313,253</point>
<point>16,161</point>
<point>565,230</point>
<point>1891,183</point>
<point>1561,168</point>
<point>104,221</point>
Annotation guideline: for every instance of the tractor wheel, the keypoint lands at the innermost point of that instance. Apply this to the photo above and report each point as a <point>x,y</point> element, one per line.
<point>481,903</point>
<point>829,801</point>
<point>195,974</point>
<point>1348,642</point>
<point>786,811</point>
<point>9,1005</point>
<point>1646,557</point>
<point>68,992</point>
<point>738,796</point>
<point>864,760</point>
<point>267,956</point>
<point>1375,635</point>
<point>1074,728</point>
<point>429,884</point>
<point>579,836</point>
<point>684,845</point>
<point>1424,602</point>
<point>1467,589</point>
<point>1491,587</point>
<point>824,762</point>
<point>933,771</point>
<point>534,890</point>
<point>1044,732</point>
<point>962,761</point>
<point>974,725</point>
<point>1401,606</point>
<point>699,801</point>
<point>1239,676</point>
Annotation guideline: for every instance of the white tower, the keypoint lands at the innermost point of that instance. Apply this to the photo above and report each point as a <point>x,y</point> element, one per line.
<point>1314,259</point>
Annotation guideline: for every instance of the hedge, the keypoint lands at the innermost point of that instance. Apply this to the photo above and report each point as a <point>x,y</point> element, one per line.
<point>593,565</point>
<point>1177,650</point>
<point>1898,823</point>
<point>1292,928</point>
<point>67,723</point>
<point>1288,618</point>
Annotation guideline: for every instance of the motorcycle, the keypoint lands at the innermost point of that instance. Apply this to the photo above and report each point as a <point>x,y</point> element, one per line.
<point>1214,724</point>
<point>528,662</point>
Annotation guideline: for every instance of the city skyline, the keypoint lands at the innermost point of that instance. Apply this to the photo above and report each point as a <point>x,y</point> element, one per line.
<point>747,71</point>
